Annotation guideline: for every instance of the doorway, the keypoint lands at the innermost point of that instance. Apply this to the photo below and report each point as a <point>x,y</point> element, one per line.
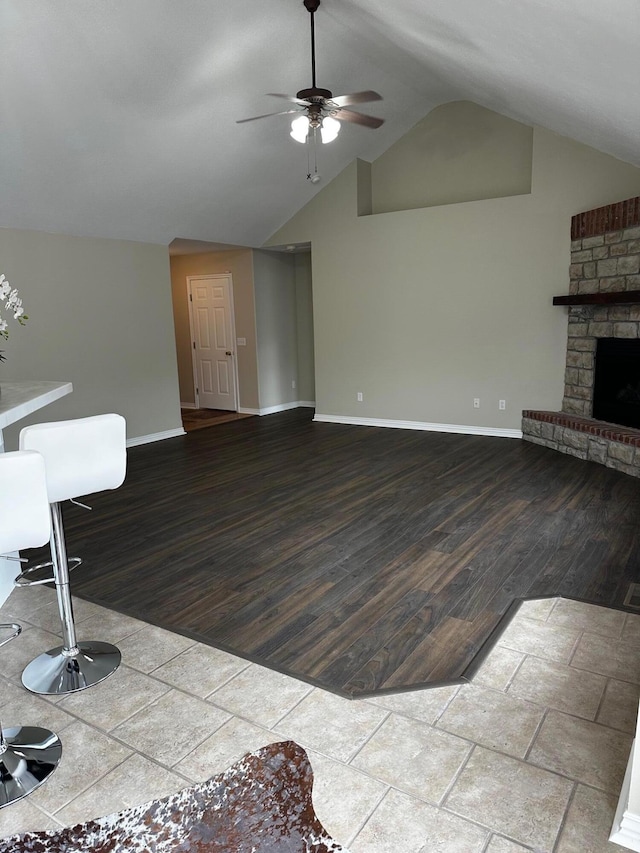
<point>213,338</point>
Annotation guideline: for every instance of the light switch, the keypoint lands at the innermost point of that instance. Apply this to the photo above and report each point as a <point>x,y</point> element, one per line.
<point>242,342</point>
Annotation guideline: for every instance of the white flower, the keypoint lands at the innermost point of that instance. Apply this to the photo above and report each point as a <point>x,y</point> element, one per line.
<point>13,304</point>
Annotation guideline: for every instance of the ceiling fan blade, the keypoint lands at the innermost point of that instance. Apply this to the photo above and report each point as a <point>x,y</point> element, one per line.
<point>266,115</point>
<point>356,98</point>
<point>343,114</point>
<point>289,98</point>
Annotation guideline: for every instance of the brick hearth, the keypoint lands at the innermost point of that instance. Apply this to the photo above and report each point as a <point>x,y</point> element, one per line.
<point>605,259</point>
<point>608,444</point>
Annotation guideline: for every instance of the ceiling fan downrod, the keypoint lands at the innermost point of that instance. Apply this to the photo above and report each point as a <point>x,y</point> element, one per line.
<point>316,108</point>
<point>314,92</point>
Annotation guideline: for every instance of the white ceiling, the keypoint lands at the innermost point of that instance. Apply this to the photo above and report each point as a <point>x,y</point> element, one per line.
<point>117,117</point>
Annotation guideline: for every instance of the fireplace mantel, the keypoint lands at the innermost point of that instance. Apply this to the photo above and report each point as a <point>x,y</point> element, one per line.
<point>623,297</point>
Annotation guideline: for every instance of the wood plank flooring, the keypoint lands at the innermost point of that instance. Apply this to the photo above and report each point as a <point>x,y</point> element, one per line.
<point>193,419</point>
<point>356,558</point>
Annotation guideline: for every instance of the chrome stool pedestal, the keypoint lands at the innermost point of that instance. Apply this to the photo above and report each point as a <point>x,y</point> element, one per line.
<point>82,457</point>
<point>74,665</point>
<point>69,669</point>
<point>28,754</point>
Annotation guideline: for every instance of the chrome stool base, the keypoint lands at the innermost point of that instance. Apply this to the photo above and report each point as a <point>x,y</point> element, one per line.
<point>55,673</point>
<point>30,756</point>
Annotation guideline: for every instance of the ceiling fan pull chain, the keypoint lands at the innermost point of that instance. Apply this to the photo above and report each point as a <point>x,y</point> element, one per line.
<point>312,139</point>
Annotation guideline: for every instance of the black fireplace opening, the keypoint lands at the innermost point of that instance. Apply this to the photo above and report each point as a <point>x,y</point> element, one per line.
<point>616,388</point>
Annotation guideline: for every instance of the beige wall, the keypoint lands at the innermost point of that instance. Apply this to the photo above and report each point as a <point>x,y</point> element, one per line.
<point>423,310</point>
<point>276,322</point>
<point>304,314</point>
<point>458,152</point>
<point>240,264</point>
<point>100,316</point>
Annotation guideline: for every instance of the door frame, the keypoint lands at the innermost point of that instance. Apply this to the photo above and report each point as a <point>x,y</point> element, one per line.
<point>194,370</point>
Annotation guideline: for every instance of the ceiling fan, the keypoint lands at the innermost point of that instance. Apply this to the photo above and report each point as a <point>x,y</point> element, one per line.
<point>317,108</point>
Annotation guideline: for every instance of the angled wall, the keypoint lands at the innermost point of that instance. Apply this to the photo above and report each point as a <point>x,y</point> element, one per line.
<point>304,326</point>
<point>458,152</point>
<point>276,321</point>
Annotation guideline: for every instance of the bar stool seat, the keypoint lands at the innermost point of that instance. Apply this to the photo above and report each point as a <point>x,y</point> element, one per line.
<point>28,754</point>
<point>81,457</point>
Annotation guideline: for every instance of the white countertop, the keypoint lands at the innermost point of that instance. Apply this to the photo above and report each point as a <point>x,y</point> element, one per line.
<point>19,399</point>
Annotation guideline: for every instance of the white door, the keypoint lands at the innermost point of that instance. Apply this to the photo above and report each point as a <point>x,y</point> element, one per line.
<point>213,340</point>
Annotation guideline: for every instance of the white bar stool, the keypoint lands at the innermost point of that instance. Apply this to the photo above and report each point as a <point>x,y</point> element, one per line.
<point>28,754</point>
<point>81,457</point>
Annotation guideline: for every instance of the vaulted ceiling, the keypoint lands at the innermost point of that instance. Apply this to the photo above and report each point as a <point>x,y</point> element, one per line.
<point>118,117</point>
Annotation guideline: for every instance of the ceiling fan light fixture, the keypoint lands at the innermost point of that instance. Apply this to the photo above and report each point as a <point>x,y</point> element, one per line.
<point>300,128</point>
<point>316,109</point>
<point>330,129</point>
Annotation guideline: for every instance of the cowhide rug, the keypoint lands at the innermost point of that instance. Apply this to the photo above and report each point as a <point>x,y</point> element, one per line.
<point>261,804</point>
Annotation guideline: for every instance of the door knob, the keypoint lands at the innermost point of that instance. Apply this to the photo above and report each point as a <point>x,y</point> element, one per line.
<point>229,352</point>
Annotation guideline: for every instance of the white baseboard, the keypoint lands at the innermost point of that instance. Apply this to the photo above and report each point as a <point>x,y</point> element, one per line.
<point>626,825</point>
<point>188,405</point>
<point>154,436</point>
<point>283,407</point>
<point>462,429</point>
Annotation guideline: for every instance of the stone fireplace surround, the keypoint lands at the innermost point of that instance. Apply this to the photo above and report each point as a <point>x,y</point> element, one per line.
<point>604,302</point>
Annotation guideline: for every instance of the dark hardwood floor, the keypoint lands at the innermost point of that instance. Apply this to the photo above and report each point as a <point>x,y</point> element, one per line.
<point>356,558</point>
<point>193,419</point>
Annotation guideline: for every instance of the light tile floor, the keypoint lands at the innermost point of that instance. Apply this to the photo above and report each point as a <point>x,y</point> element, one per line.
<point>530,756</point>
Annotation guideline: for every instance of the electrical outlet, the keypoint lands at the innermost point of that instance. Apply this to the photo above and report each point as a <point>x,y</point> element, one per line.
<point>502,405</point>
<point>293,383</point>
<point>359,396</point>
<point>476,402</point>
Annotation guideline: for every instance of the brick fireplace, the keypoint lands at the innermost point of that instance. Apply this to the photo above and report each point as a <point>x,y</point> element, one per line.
<point>604,303</point>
